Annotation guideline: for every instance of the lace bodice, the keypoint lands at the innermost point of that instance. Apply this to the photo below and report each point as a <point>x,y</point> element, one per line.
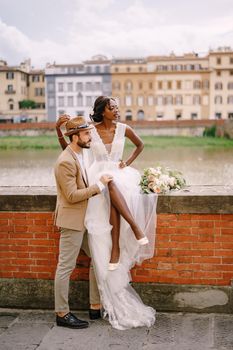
<point>111,152</point>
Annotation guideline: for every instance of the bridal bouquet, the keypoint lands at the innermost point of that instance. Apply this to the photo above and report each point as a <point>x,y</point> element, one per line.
<point>161,180</point>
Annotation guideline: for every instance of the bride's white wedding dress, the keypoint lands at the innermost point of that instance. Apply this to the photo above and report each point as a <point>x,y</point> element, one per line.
<point>121,303</point>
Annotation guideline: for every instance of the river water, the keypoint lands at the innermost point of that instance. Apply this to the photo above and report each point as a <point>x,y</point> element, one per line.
<point>199,166</point>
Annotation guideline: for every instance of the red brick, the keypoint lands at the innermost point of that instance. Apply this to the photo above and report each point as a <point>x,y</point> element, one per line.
<point>3,222</point>
<point>41,229</point>
<point>227,231</point>
<point>19,215</point>
<point>142,272</point>
<point>22,222</point>
<point>183,238</point>
<point>22,274</point>
<point>224,223</point>
<point>20,235</point>
<point>6,215</point>
<point>39,216</point>
<point>44,275</point>
<point>227,217</point>
<point>21,229</point>
<point>41,242</point>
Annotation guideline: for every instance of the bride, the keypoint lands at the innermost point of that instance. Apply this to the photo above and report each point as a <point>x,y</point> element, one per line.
<point>121,220</point>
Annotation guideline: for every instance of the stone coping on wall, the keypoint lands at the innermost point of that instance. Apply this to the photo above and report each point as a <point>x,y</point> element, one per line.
<point>191,200</point>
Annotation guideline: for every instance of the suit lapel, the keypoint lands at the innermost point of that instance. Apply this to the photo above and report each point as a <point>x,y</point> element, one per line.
<point>69,149</point>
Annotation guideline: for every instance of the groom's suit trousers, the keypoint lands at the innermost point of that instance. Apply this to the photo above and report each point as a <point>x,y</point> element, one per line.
<point>71,241</point>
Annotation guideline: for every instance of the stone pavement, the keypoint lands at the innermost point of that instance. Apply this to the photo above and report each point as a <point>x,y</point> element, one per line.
<point>35,329</point>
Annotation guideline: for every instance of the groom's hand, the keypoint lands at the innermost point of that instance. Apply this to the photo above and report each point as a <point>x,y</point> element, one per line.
<point>105,179</point>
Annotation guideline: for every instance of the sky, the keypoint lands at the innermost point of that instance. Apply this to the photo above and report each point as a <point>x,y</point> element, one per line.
<point>70,31</point>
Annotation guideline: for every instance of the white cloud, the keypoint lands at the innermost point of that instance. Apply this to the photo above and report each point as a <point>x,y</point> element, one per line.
<point>132,28</point>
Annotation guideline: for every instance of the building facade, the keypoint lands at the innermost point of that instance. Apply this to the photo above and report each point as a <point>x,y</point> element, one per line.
<point>16,86</point>
<point>175,87</point>
<point>72,89</point>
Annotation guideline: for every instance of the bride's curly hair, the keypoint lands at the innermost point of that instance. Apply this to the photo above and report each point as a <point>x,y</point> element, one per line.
<point>99,106</point>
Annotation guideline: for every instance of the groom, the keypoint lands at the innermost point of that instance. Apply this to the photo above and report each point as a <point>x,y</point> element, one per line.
<point>73,193</point>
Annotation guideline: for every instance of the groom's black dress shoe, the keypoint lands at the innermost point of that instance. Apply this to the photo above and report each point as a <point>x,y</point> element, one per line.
<point>71,321</point>
<point>94,314</point>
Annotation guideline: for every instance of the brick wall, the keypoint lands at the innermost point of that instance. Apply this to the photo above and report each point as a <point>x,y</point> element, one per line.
<point>190,249</point>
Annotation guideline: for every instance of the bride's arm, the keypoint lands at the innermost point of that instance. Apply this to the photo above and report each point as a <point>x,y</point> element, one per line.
<point>137,141</point>
<point>62,119</point>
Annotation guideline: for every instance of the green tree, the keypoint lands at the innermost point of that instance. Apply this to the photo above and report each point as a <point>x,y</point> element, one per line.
<point>27,104</point>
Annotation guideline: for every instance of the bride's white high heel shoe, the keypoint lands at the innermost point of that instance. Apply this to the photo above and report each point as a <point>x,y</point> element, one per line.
<point>143,241</point>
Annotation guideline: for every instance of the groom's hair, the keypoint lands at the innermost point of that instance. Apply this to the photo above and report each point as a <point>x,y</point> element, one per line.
<point>71,136</point>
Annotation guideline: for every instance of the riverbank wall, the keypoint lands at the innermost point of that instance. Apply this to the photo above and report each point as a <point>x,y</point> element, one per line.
<point>156,128</point>
<point>192,268</point>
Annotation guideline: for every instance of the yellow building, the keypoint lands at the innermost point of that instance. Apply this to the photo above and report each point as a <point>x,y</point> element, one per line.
<point>175,87</point>
<point>19,83</point>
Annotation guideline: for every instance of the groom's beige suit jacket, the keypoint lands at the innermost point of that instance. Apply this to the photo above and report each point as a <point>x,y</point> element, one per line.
<point>73,192</point>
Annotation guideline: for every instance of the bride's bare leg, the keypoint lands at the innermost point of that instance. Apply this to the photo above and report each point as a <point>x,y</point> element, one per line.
<point>119,203</point>
<point>115,222</point>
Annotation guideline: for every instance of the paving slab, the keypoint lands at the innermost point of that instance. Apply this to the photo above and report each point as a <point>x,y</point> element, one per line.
<point>36,330</point>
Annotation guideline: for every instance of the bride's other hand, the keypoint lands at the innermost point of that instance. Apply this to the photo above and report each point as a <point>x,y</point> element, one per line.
<point>105,179</point>
<point>62,119</point>
<point>122,164</point>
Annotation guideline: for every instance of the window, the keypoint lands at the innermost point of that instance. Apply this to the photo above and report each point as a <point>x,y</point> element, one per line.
<point>128,86</point>
<point>70,101</point>
<point>178,116</point>
<point>97,69</point>
<point>218,86</point>
<point>230,99</point>
<point>97,85</point>
<point>79,86</point>
<point>218,60</point>
<point>230,115</point>
<point>69,87</point>
<point>159,115</point>
<point>160,85</point>
<point>88,86</point>
<point>160,100</point>
<point>140,69</point>
<point>51,102</point>
<point>61,101</point>
<point>150,85</point>
<point>128,115</point>
<point>230,86</point>
<point>35,78</point>
<point>61,112</point>
<point>140,101</point>
<point>128,100</point>
<point>218,73</point>
<point>218,115</point>
<point>140,85</point>
<point>10,88</point>
<point>88,101</point>
<point>197,84</point>
<point>39,91</point>
<point>106,69</point>
<point>178,100</point>
<point>169,85</point>
<point>231,60</point>
<point>218,100</point>
<point>169,100</point>
<point>194,115</point>
<point>50,87</point>
<point>79,100</point>
<point>128,69</point>
<point>10,75</point>
<point>88,69</point>
<point>150,100</point>
<point>60,87</point>
<point>116,69</point>
<point>196,99</point>
<point>231,72</point>
<point>140,115</point>
<point>178,84</point>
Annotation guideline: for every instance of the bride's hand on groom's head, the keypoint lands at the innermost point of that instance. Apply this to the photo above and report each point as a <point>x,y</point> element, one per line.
<point>62,119</point>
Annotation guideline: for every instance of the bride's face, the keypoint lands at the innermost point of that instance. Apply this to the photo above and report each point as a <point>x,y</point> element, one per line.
<point>111,111</point>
